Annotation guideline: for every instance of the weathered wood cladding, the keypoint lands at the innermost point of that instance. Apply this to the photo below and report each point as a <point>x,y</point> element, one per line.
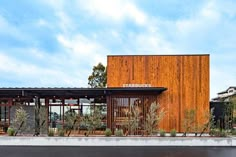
<point>185,76</point>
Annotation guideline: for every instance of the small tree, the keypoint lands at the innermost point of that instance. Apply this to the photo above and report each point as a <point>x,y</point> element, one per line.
<point>72,120</point>
<point>131,123</point>
<point>20,120</point>
<point>210,123</point>
<point>43,119</point>
<point>154,117</point>
<point>233,102</point>
<point>93,120</point>
<point>98,78</point>
<point>189,120</point>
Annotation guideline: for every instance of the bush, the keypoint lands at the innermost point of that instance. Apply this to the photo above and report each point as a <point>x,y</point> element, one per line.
<point>218,133</point>
<point>61,133</point>
<point>162,133</point>
<point>223,133</point>
<point>119,133</point>
<point>51,132</point>
<point>108,132</point>
<point>233,132</point>
<point>173,133</point>
<point>10,132</point>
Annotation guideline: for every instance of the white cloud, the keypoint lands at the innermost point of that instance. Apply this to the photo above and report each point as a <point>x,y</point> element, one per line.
<point>115,10</point>
<point>82,48</point>
<point>28,74</point>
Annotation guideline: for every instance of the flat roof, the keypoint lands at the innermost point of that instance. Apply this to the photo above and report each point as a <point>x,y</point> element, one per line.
<point>161,55</point>
<point>76,92</point>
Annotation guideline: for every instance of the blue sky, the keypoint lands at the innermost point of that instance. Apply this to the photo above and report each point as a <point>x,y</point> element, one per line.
<point>55,43</point>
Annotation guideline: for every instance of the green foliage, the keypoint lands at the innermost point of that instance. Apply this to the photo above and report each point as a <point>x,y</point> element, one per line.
<point>223,133</point>
<point>51,132</point>
<point>108,132</point>
<point>210,121</point>
<point>218,133</point>
<point>162,133</point>
<point>233,132</point>
<point>153,118</point>
<point>119,133</point>
<point>173,133</point>
<point>61,133</point>
<point>20,120</point>
<point>72,120</point>
<point>233,102</point>
<point>228,116</point>
<point>10,132</point>
<point>93,120</point>
<point>189,120</point>
<point>98,78</point>
<point>132,119</point>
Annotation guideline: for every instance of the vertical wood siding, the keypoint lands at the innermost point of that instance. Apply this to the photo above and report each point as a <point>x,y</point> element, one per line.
<point>185,76</point>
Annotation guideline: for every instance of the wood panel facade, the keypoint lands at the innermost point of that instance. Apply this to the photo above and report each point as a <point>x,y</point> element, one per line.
<point>185,76</point>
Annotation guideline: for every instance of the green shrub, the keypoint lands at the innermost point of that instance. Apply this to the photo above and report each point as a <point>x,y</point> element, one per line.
<point>233,132</point>
<point>51,132</point>
<point>10,132</point>
<point>223,133</point>
<point>218,133</point>
<point>61,133</point>
<point>173,133</point>
<point>108,132</point>
<point>162,133</point>
<point>119,133</point>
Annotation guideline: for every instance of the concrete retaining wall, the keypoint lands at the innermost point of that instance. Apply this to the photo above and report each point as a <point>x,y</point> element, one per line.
<point>116,141</point>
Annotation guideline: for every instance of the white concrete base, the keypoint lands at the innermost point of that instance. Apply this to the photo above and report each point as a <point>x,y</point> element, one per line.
<point>116,141</point>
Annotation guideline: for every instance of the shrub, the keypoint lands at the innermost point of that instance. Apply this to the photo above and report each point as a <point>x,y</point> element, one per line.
<point>10,132</point>
<point>61,133</point>
<point>233,132</point>
<point>173,133</point>
<point>162,133</point>
<point>108,132</point>
<point>119,133</point>
<point>51,132</point>
<point>218,133</point>
<point>223,133</point>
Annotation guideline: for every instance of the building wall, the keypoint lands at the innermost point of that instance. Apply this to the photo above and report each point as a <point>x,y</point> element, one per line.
<point>185,76</point>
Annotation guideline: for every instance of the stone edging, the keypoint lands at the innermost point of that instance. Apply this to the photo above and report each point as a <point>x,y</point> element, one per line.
<point>116,141</point>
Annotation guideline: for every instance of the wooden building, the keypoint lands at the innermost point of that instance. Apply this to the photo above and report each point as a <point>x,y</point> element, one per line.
<point>186,78</point>
<point>177,82</point>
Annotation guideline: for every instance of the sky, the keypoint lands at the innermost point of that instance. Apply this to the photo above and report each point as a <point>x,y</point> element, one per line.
<point>55,43</point>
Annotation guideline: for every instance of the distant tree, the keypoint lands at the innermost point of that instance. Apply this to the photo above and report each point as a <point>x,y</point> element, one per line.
<point>98,78</point>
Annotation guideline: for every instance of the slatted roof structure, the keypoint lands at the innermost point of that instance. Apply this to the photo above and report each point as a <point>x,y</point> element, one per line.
<point>76,92</point>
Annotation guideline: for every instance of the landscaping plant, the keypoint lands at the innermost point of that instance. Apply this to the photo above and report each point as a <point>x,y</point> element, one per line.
<point>210,123</point>
<point>153,118</point>
<point>93,120</point>
<point>51,132</point>
<point>119,132</point>
<point>72,120</point>
<point>131,122</point>
<point>61,133</point>
<point>162,133</point>
<point>188,121</point>
<point>20,120</point>
<point>108,132</point>
<point>173,133</point>
<point>10,132</point>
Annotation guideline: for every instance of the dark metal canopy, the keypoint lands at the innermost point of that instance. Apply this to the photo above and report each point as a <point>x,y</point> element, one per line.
<point>77,92</point>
